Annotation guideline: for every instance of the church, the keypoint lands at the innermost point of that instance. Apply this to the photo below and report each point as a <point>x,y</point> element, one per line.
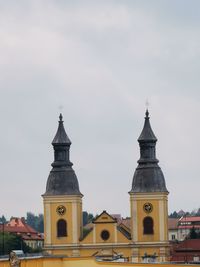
<point>144,240</point>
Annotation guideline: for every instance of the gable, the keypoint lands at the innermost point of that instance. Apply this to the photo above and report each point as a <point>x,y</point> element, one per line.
<point>104,217</point>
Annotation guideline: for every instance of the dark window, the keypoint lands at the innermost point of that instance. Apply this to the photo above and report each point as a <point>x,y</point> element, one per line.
<point>61,228</point>
<point>148,226</point>
<point>105,235</point>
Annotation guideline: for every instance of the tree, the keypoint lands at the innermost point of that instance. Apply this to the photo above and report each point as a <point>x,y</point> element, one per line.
<point>87,217</point>
<point>193,234</point>
<point>40,223</point>
<point>174,215</point>
<point>30,219</point>
<point>198,212</point>
<point>35,221</point>
<point>90,217</point>
<point>3,219</point>
<point>10,242</point>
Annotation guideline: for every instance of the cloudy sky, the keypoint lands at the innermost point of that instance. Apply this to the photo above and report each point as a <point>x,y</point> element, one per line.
<point>99,61</point>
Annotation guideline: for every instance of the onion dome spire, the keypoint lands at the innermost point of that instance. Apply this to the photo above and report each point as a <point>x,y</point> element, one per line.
<point>62,179</point>
<point>148,176</point>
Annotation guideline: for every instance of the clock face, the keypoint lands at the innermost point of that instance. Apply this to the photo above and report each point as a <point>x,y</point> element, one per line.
<point>61,210</point>
<point>148,207</point>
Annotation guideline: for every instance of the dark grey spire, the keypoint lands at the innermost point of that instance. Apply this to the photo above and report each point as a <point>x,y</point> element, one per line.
<point>148,176</point>
<point>147,142</point>
<point>147,133</point>
<point>61,136</point>
<point>62,179</point>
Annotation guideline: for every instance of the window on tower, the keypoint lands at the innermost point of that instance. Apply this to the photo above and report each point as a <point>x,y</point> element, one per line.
<point>61,228</point>
<point>148,226</point>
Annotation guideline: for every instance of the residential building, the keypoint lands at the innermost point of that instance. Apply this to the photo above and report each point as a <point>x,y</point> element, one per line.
<point>173,229</point>
<point>186,251</point>
<point>185,224</point>
<point>30,236</point>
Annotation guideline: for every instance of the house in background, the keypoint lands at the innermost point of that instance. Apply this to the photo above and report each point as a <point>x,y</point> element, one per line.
<point>186,251</point>
<point>179,228</point>
<point>30,236</point>
<point>185,224</point>
<point>173,228</point>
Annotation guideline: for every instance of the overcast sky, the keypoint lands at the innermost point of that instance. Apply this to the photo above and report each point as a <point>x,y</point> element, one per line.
<point>100,61</point>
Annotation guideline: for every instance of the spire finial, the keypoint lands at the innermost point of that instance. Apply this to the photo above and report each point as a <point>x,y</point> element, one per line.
<point>147,114</point>
<point>61,117</point>
<point>147,111</point>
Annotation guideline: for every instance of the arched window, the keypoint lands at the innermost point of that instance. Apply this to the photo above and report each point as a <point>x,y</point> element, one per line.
<point>148,226</point>
<point>61,228</point>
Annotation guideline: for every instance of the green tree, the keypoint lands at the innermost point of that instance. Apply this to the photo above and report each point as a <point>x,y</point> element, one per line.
<point>3,219</point>
<point>174,215</point>
<point>10,242</point>
<point>193,234</point>
<point>40,223</point>
<point>90,217</point>
<point>87,217</point>
<point>35,221</point>
<point>30,219</point>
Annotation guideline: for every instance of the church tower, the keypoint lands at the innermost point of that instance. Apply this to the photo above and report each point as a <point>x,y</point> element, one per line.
<point>62,201</point>
<point>148,201</point>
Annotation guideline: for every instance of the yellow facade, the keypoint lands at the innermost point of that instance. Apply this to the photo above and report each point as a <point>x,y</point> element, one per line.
<point>147,238</point>
<point>150,244</point>
<point>73,218</point>
<point>117,243</point>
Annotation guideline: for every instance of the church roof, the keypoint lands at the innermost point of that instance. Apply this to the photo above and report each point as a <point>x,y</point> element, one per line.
<point>62,179</point>
<point>104,217</point>
<point>61,136</point>
<point>148,176</point>
<point>147,134</point>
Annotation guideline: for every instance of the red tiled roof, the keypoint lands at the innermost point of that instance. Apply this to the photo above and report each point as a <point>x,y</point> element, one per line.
<point>186,250</point>
<point>173,223</point>
<point>190,219</point>
<point>189,244</point>
<point>126,222</point>
<point>117,216</point>
<point>19,226</point>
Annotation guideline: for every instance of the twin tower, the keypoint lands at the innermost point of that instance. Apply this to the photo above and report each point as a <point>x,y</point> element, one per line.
<point>142,238</point>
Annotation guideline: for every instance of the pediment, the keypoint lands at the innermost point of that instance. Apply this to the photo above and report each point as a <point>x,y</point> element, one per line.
<point>104,217</point>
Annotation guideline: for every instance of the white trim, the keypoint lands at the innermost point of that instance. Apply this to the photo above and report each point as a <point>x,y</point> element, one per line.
<point>94,234</point>
<point>144,196</point>
<point>61,199</point>
<point>134,221</point>
<point>74,222</point>
<point>115,233</point>
<point>48,223</point>
<point>161,220</point>
<point>90,246</point>
<point>155,244</point>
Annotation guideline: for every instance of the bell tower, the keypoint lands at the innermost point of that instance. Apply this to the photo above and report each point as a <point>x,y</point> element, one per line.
<point>62,201</point>
<point>149,203</point>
